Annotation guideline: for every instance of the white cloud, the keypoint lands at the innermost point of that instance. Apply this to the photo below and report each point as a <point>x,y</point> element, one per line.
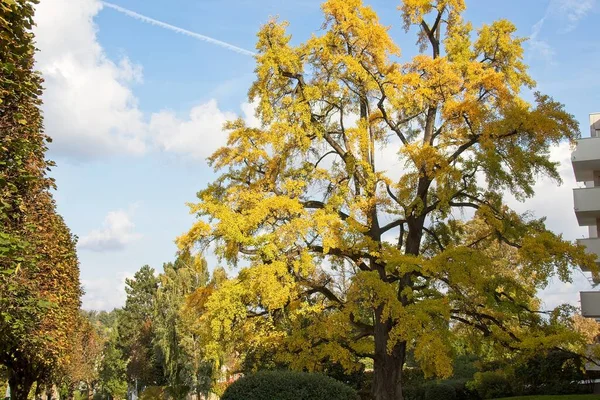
<point>199,135</point>
<point>571,11</point>
<point>89,107</point>
<point>565,13</point>
<point>558,292</point>
<point>538,46</point>
<point>553,201</point>
<point>249,114</point>
<point>105,293</point>
<point>117,231</point>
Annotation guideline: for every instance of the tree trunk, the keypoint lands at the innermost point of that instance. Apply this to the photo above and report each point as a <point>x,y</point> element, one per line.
<point>90,390</point>
<point>387,374</point>
<point>20,385</point>
<point>71,392</point>
<point>50,392</point>
<point>39,391</point>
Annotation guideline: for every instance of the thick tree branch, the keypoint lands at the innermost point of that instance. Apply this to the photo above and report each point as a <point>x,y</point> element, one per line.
<point>321,289</point>
<point>391,225</point>
<point>319,205</point>
<point>355,258</point>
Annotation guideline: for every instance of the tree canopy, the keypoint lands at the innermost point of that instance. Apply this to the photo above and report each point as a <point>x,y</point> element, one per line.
<point>367,212</point>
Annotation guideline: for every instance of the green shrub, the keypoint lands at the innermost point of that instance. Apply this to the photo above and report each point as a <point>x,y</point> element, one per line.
<point>462,391</point>
<point>552,372</point>
<point>288,385</point>
<point>440,391</point>
<point>491,384</point>
<point>414,392</point>
<point>154,393</point>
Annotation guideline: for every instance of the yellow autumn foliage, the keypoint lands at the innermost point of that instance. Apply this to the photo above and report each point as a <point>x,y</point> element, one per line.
<point>366,214</point>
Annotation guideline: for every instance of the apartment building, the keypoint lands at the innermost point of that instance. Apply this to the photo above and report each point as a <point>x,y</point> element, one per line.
<point>586,165</point>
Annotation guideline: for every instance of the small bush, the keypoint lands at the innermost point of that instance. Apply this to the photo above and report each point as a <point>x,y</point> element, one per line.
<point>288,385</point>
<point>491,384</point>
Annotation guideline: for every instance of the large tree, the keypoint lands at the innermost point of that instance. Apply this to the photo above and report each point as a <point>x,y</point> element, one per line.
<point>368,209</point>
<point>39,274</point>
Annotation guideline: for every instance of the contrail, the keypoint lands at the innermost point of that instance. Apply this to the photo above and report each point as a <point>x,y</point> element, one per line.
<point>173,28</point>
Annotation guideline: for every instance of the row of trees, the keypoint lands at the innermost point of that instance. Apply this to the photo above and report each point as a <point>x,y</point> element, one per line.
<point>151,342</point>
<point>39,273</point>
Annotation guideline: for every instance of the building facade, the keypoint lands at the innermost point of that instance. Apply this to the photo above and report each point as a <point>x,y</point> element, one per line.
<point>586,200</point>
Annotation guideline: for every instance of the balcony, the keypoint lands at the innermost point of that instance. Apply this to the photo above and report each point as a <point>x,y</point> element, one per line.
<point>586,159</point>
<point>587,205</point>
<point>590,304</point>
<point>592,246</point>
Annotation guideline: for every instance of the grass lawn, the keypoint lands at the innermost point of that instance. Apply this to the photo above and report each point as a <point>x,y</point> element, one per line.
<point>556,397</point>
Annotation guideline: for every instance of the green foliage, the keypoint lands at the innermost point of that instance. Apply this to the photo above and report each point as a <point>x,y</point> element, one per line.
<point>39,272</point>
<point>113,369</point>
<point>440,391</point>
<point>79,395</point>
<point>552,372</point>
<point>153,393</point>
<point>464,366</point>
<point>3,381</point>
<point>181,349</point>
<point>556,397</point>
<point>491,384</point>
<point>136,329</point>
<point>287,385</point>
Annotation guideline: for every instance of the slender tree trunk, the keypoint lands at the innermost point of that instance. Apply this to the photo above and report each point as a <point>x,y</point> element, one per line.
<point>20,385</point>
<point>387,375</point>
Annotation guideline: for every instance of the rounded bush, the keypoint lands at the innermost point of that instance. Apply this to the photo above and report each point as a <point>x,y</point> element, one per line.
<point>288,385</point>
<point>491,384</point>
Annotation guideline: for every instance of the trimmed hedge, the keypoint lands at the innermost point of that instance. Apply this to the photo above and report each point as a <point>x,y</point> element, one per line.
<point>288,385</point>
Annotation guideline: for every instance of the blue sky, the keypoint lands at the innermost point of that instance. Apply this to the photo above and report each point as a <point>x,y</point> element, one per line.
<point>134,109</point>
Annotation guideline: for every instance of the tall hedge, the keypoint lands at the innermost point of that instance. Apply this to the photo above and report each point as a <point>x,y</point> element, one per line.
<point>288,385</point>
<point>39,271</point>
